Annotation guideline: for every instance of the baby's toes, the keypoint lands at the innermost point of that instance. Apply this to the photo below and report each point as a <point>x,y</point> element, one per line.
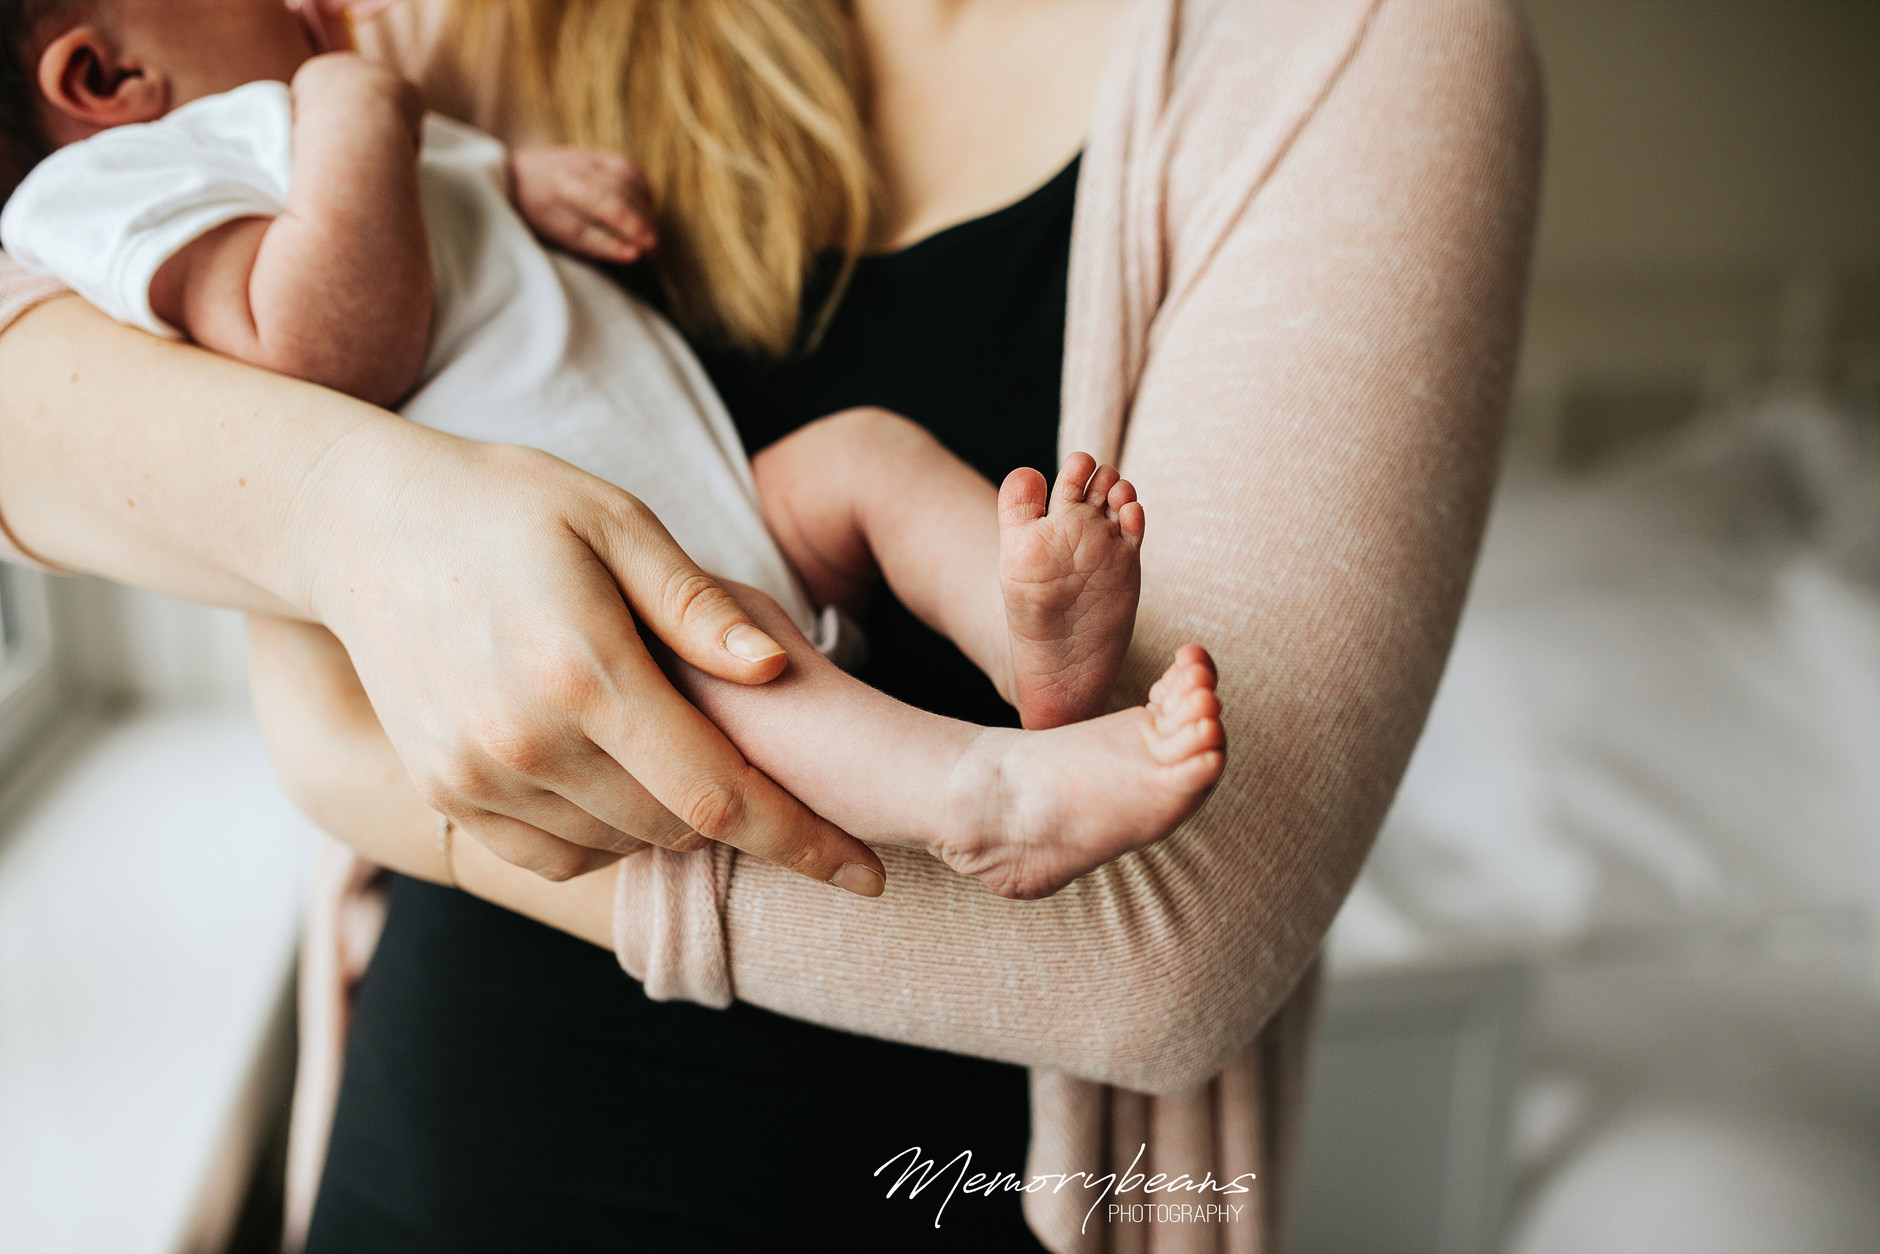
<point>1133,522</point>
<point>1022,498</point>
<point>1195,655</point>
<point>1073,480</point>
<point>1189,741</point>
<point>1186,706</point>
<point>1189,727</point>
<point>1181,674</point>
<point>1188,682</point>
<point>1122,506</point>
<point>1101,484</point>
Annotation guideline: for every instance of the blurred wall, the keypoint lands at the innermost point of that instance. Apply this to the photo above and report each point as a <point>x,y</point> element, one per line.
<point>127,647</point>
<point>1712,208</point>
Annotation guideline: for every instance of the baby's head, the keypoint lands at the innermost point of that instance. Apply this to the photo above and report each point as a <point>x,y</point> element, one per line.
<point>72,68</point>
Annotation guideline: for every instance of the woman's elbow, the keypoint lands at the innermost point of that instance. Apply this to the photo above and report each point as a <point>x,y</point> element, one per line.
<point>1175,1055</point>
<point>1167,1026</point>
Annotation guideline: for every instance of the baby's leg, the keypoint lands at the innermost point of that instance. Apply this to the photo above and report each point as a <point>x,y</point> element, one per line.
<point>1025,811</point>
<point>1039,591</point>
<point>865,495</point>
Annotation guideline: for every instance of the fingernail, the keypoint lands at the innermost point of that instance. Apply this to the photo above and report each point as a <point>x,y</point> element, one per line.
<point>858,879</point>
<point>751,644</point>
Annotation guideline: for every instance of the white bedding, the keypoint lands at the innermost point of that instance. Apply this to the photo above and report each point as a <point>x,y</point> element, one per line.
<point>1652,773</point>
<point>1663,709</point>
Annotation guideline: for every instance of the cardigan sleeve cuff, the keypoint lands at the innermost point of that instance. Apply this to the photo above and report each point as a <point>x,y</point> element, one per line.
<point>20,290</point>
<point>669,923</point>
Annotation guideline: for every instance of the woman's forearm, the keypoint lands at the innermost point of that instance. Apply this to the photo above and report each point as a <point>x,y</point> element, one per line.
<point>165,466</point>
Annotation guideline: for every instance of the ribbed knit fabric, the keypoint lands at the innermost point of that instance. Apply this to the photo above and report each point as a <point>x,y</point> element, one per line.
<point>1300,252</point>
<point>20,291</point>
<point>676,945</point>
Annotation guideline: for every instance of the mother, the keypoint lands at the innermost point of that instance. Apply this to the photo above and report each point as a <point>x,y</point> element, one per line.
<point>1287,272</point>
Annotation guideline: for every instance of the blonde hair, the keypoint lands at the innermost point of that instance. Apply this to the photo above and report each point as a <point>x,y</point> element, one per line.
<point>743,115</point>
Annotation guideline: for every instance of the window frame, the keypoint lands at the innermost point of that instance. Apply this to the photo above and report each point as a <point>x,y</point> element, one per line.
<point>32,693</point>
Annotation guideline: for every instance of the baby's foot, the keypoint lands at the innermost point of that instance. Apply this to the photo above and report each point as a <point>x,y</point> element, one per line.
<point>1031,811</point>
<point>1069,573</point>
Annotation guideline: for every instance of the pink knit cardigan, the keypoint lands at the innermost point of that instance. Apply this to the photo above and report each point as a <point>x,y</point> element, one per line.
<point>1298,261</point>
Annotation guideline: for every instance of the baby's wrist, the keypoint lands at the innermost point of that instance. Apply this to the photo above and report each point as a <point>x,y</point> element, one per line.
<point>347,81</point>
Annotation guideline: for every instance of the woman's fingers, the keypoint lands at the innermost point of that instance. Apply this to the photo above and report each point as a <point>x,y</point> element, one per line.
<point>682,605</point>
<point>598,807</point>
<point>677,755</point>
<point>636,821</point>
<point>533,849</point>
<point>596,803</point>
<point>689,767</point>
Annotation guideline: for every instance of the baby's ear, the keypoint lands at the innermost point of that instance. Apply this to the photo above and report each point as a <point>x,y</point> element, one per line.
<point>88,87</point>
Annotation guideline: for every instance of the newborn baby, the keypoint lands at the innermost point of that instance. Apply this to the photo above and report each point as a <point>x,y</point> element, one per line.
<point>334,231</point>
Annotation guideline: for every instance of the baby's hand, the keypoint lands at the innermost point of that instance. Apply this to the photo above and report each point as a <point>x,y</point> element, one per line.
<point>587,200</point>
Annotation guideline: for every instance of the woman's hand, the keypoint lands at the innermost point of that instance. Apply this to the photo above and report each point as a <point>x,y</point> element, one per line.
<point>487,596</point>
<point>333,759</point>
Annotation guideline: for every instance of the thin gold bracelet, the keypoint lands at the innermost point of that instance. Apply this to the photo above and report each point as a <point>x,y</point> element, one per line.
<point>444,828</point>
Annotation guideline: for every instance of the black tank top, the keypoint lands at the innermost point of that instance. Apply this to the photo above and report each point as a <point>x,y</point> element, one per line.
<point>507,1088</point>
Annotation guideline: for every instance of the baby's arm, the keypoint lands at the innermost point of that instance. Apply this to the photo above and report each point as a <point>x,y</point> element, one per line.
<point>337,289</point>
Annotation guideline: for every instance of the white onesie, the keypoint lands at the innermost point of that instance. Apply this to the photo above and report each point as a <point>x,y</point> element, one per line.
<point>527,346</point>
